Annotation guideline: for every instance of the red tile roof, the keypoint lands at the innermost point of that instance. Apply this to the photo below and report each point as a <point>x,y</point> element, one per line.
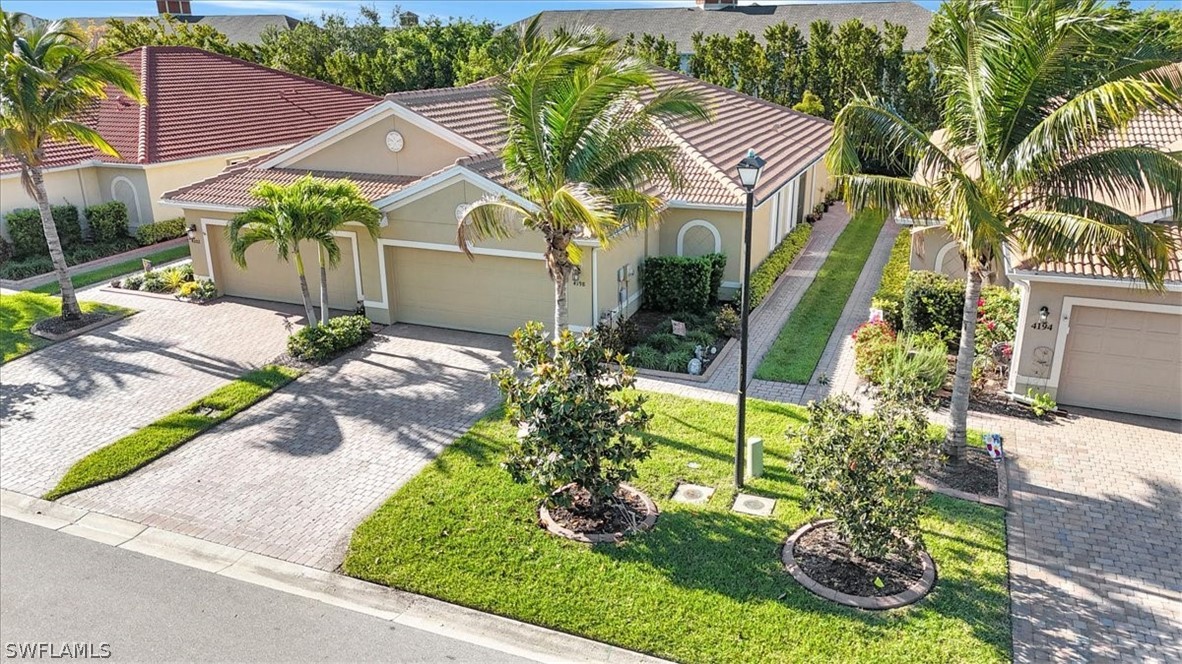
<point>231,188</point>
<point>201,103</point>
<point>1086,265</point>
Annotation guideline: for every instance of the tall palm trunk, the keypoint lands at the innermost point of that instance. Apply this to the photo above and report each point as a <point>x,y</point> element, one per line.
<point>560,268</point>
<point>308,311</point>
<point>70,308</point>
<point>962,382</point>
<point>323,286</point>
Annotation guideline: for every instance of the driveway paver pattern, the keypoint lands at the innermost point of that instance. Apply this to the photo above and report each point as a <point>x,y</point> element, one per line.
<point>294,475</point>
<point>66,400</point>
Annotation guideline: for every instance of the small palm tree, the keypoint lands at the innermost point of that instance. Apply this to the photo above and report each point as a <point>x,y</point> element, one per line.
<point>1023,166</point>
<point>283,221</point>
<point>341,203</point>
<point>583,143</point>
<point>50,78</point>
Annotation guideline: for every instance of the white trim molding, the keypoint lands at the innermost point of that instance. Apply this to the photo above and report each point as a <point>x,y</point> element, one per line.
<point>204,207</point>
<point>1070,302</point>
<point>694,224</point>
<point>445,178</point>
<point>1110,282</point>
<point>135,196</point>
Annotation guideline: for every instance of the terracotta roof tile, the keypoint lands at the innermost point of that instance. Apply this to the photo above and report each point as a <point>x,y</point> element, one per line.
<point>231,188</point>
<point>202,103</point>
<point>1085,265</point>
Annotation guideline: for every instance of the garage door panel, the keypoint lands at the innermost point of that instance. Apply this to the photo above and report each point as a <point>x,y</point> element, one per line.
<point>268,278</point>
<point>489,294</point>
<point>1123,360</point>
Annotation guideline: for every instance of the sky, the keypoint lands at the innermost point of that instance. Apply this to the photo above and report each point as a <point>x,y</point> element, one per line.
<point>498,11</point>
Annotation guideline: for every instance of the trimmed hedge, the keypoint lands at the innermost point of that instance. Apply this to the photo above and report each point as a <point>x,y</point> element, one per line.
<point>933,302</point>
<point>677,283</point>
<point>889,296</point>
<point>160,231</point>
<point>316,344</point>
<point>108,221</point>
<point>717,269</point>
<point>31,266</point>
<point>28,237</point>
<point>765,276</point>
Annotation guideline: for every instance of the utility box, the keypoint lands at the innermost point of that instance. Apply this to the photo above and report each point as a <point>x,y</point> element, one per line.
<point>754,457</point>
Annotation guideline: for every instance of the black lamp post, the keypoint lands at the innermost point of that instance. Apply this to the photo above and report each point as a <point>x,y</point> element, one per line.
<point>749,168</point>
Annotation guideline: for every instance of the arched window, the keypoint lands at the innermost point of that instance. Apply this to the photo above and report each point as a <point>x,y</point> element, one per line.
<point>124,191</point>
<point>698,238</point>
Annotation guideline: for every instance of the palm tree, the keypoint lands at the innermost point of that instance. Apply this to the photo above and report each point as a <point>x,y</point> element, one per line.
<point>583,141</point>
<point>341,203</point>
<point>50,78</point>
<point>1022,166</point>
<point>283,221</point>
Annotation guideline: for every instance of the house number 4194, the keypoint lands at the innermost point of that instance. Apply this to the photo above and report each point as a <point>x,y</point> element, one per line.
<point>1042,325</point>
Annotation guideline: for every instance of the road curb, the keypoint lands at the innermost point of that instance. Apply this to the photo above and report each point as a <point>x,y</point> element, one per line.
<point>424,613</point>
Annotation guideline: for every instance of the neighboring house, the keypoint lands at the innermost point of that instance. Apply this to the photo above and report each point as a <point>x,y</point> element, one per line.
<point>204,112</point>
<point>1103,341</point>
<point>421,157</point>
<point>238,28</point>
<point>727,17</point>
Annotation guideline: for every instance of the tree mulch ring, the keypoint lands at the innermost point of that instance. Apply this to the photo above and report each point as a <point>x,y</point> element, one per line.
<point>991,400</point>
<point>56,327</point>
<point>628,511</point>
<point>816,557</point>
<point>976,473</point>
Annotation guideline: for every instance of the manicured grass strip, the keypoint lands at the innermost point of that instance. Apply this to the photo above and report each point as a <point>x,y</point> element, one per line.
<point>18,313</point>
<point>117,270</point>
<point>801,342</point>
<point>136,450</point>
<point>706,584</point>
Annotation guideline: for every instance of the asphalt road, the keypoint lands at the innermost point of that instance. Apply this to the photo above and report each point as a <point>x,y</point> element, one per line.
<point>61,589</point>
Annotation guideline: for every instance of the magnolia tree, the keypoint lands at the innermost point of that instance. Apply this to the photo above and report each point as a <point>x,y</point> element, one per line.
<point>860,470</point>
<point>575,423</point>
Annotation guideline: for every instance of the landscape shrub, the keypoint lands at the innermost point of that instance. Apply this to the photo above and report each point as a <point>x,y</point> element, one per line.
<point>175,277</point>
<point>997,317</point>
<point>315,344</point>
<point>677,360</point>
<point>915,367</point>
<point>872,343</point>
<point>727,323</point>
<point>577,423</point>
<point>676,283</point>
<point>618,337</point>
<point>700,338</point>
<point>108,221</point>
<point>88,252</point>
<point>154,283</point>
<point>132,282</point>
<point>663,341</point>
<point>201,290</point>
<point>5,251</point>
<point>889,296</point>
<point>646,357</point>
<point>770,269</point>
<point>28,237</point>
<point>23,268</point>
<point>933,302</point>
<point>717,270</point>
<point>860,470</point>
<point>160,231</point>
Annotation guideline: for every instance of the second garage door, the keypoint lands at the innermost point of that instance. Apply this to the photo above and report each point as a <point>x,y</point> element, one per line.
<point>1128,361</point>
<point>489,294</point>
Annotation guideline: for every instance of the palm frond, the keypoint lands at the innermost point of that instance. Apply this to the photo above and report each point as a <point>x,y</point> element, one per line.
<point>488,218</point>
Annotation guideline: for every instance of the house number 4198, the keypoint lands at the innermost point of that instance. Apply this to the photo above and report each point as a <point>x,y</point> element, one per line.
<point>1042,325</point>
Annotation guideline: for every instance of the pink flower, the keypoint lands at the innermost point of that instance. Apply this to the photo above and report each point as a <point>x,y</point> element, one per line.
<point>991,326</point>
<point>980,302</point>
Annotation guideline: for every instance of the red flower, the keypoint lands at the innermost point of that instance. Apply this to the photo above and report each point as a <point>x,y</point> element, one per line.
<point>991,326</point>
<point>980,302</point>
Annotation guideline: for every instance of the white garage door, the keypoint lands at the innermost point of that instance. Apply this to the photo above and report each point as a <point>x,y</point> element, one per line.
<point>489,294</point>
<point>268,278</point>
<point>1127,361</point>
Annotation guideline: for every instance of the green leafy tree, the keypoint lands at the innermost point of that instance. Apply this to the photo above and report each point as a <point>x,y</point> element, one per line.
<point>819,55</point>
<point>582,142</point>
<point>785,70</point>
<point>712,60</point>
<point>656,50</point>
<point>857,64</point>
<point>166,30</point>
<point>1019,167</point>
<point>576,423</point>
<point>749,64</point>
<point>50,79</point>
<point>810,104</point>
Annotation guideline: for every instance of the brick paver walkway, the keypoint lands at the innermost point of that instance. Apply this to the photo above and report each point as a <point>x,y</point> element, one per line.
<point>294,475</point>
<point>1095,537</point>
<point>62,402</point>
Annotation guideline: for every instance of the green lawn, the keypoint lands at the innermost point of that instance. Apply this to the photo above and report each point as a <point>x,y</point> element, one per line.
<point>138,449</point>
<point>19,312</point>
<point>801,342</point>
<point>117,270</point>
<point>706,585</point>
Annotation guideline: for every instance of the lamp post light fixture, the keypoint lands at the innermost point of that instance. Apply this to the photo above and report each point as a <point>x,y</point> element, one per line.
<point>749,169</point>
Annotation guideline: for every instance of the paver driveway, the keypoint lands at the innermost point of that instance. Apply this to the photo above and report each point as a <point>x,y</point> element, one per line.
<point>62,402</point>
<point>1095,537</point>
<point>293,476</point>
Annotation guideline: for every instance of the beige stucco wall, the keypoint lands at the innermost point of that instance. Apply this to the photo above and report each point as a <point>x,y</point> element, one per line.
<point>730,229</point>
<point>76,186</point>
<point>624,258</point>
<point>1036,294</point>
<point>365,151</point>
<point>928,246</point>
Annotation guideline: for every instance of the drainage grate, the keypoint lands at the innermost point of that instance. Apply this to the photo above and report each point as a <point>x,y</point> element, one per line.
<point>693,493</point>
<point>746,503</point>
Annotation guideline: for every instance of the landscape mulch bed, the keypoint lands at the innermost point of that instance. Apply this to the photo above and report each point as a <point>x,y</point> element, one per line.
<point>57,325</point>
<point>827,560</point>
<point>624,514</point>
<point>992,399</point>
<point>976,473</point>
